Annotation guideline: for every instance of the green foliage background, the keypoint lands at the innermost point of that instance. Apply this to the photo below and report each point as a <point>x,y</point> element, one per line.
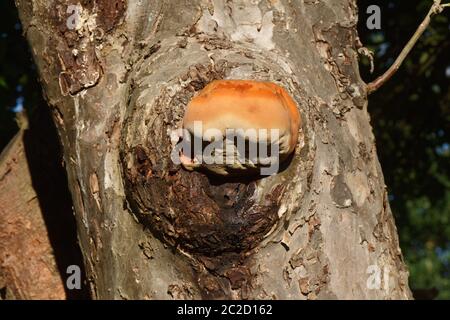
<point>18,84</point>
<point>411,119</point>
<point>410,116</point>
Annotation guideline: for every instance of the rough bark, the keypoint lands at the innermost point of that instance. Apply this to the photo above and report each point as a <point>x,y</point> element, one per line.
<point>23,235</point>
<point>148,229</point>
<point>37,235</point>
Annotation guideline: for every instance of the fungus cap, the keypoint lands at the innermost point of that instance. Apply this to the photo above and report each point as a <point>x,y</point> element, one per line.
<point>242,105</point>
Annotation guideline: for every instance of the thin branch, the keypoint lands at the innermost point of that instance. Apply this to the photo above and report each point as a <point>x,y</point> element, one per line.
<point>436,8</point>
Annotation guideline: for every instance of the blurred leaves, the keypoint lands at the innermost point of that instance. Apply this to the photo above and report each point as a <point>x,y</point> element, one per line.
<point>18,82</point>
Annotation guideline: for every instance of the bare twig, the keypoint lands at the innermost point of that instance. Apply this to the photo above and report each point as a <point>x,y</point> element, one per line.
<point>436,8</point>
<point>369,54</point>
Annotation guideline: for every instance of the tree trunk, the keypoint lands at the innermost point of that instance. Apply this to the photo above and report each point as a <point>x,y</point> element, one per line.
<point>37,227</point>
<point>118,84</point>
<point>27,264</point>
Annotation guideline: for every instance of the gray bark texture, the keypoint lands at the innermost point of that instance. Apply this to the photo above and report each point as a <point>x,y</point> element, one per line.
<point>119,83</point>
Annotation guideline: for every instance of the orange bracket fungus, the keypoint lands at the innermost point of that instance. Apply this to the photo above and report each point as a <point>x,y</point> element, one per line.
<point>233,129</point>
<point>233,126</point>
